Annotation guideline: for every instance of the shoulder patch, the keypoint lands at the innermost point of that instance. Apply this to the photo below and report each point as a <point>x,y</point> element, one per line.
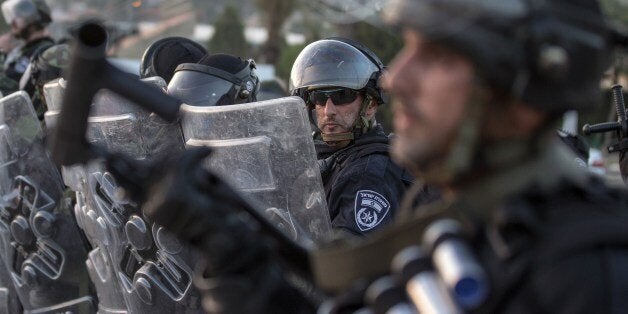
<point>370,209</point>
<point>21,64</point>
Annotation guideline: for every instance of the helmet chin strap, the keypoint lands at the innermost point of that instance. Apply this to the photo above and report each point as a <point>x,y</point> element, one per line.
<point>337,137</point>
<point>360,126</point>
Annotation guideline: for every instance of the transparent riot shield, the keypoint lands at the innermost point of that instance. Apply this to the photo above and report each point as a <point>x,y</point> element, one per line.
<point>136,265</point>
<point>265,150</point>
<point>41,246</point>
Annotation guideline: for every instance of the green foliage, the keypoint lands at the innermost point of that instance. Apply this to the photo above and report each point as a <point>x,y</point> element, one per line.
<point>275,13</point>
<point>311,25</point>
<point>286,60</point>
<point>229,34</point>
<point>383,43</point>
<point>4,27</point>
<point>616,10</point>
<point>204,10</point>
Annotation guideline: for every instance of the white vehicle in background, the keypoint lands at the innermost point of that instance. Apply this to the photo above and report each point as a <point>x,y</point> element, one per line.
<point>596,162</point>
<point>127,65</point>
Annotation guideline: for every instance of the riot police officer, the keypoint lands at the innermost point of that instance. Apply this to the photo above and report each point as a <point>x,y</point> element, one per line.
<point>223,80</point>
<point>339,80</point>
<point>162,57</point>
<point>215,80</point>
<point>28,20</point>
<point>237,267</point>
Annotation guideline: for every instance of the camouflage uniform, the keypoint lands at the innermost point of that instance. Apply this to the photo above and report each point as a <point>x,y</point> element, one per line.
<point>17,61</point>
<point>45,67</point>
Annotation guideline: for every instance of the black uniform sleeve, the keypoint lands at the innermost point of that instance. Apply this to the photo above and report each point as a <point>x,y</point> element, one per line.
<point>366,194</point>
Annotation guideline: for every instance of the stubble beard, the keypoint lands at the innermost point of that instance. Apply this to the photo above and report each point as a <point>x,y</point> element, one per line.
<point>418,156</point>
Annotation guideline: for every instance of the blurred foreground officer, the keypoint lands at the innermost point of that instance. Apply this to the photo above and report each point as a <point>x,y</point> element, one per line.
<point>28,20</point>
<point>339,81</point>
<point>479,86</point>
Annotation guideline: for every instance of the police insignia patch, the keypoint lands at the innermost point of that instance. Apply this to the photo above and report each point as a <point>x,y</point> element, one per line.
<point>22,64</point>
<point>370,209</point>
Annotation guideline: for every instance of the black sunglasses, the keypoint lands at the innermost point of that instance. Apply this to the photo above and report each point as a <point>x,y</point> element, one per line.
<point>339,96</point>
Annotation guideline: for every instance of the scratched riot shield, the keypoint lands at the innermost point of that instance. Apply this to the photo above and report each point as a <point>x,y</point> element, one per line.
<point>265,150</point>
<point>9,302</point>
<point>41,247</point>
<point>137,266</point>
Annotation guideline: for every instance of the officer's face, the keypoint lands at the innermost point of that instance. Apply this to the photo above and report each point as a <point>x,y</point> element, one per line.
<point>334,118</point>
<point>17,24</point>
<point>430,86</point>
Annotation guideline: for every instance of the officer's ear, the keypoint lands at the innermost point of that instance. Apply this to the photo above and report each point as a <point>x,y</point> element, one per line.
<point>513,120</point>
<point>371,109</point>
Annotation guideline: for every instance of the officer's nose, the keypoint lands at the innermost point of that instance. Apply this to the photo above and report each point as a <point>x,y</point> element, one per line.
<point>402,71</point>
<point>330,107</point>
<point>393,80</point>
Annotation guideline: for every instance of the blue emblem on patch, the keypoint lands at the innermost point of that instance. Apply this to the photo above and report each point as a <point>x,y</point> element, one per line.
<point>22,64</point>
<point>370,209</point>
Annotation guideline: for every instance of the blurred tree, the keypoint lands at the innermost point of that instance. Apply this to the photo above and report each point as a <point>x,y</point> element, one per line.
<point>616,10</point>
<point>3,26</point>
<point>229,34</point>
<point>274,14</point>
<point>312,30</point>
<point>382,41</point>
<point>286,60</point>
<point>206,10</point>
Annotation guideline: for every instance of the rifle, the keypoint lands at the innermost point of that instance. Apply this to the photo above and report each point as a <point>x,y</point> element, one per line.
<point>620,126</point>
<point>440,276</point>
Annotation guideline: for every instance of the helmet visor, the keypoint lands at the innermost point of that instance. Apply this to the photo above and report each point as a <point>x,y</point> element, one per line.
<point>198,89</point>
<point>331,63</point>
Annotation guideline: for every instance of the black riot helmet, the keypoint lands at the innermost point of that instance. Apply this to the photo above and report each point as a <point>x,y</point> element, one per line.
<point>550,54</point>
<point>337,62</point>
<point>216,80</point>
<point>163,56</point>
